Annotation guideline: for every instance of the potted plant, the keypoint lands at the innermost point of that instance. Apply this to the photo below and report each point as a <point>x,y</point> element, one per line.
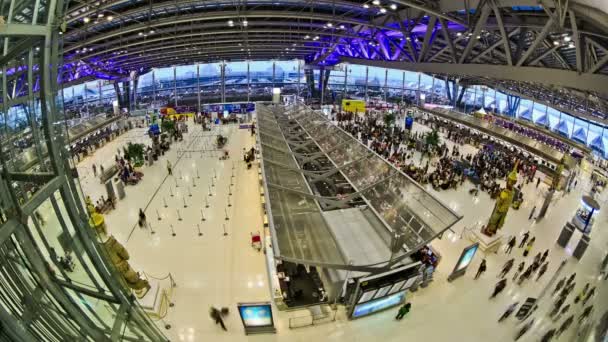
<point>432,138</point>
<point>136,154</point>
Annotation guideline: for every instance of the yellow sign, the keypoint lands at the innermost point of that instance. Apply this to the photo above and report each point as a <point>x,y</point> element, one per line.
<point>353,106</point>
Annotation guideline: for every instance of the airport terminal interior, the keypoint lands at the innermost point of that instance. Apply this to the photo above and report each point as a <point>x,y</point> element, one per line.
<point>331,170</point>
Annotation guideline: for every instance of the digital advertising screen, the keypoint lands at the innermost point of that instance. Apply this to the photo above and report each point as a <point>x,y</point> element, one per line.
<point>383,291</point>
<point>379,304</point>
<point>466,257</point>
<point>256,314</point>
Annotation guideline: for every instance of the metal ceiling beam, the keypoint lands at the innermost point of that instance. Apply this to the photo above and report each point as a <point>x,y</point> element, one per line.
<point>224,15</point>
<point>548,76</point>
<point>539,39</point>
<point>503,33</point>
<point>448,39</point>
<point>481,21</point>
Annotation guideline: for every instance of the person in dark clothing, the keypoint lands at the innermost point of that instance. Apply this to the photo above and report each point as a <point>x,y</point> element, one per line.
<point>545,255</point>
<point>403,311</point>
<point>499,287</point>
<point>142,218</point>
<point>524,239</point>
<point>571,279</point>
<point>532,213</point>
<point>520,269</point>
<point>481,269</point>
<point>216,315</point>
<point>511,244</point>
<point>94,170</point>
<point>507,267</point>
<point>559,285</point>
<point>537,181</point>
<point>542,270</point>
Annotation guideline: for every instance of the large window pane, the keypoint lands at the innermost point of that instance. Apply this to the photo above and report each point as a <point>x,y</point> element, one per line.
<point>375,83</point>
<point>144,93</point>
<point>539,114</point>
<point>579,132</point>
<point>356,82</point>
<point>525,110</point>
<point>553,118</point>
<point>185,83</point>
<point>164,86</point>
<point>566,125</point>
<point>594,138</point>
<point>236,81</point>
<point>261,80</point>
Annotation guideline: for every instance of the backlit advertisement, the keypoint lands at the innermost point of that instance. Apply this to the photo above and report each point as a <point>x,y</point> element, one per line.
<point>256,314</point>
<point>379,304</point>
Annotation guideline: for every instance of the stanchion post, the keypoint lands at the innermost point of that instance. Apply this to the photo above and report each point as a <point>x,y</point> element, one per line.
<point>184,198</point>
<point>212,182</point>
<point>151,230</point>
<point>180,175</point>
<point>203,216</point>
<point>172,230</point>
<point>198,226</point>
<point>189,192</point>
<point>206,202</point>
<point>210,194</point>
<point>165,202</point>
<point>171,191</point>
<point>194,182</point>
<point>179,217</point>
<point>176,185</point>
<point>224,227</point>
<point>158,215</point>
<point>226,212</point>
<point>197,175</point>
<point>229,204</point>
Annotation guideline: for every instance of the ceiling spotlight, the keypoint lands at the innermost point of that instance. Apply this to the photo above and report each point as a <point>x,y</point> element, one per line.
<point>567,38</point>
<point>245,23</point>
<point>293,49</point>
<point>365,6</point>
<point>571,45</point>
<point>478,37</point>
<point>141,33</point>
<point>342,27</point>
<point>307,37</point>
<point>376,2</point>
<point>393,7</point>
<point>383,10</point>
<point>330,24</point>
<point>316,38</point>
<point>230,23</point>
<point>60,33</point>
<point>110,18</point>
<point>86,19</point>
<point>37,48</point>
<point>458,34</point>
<point>556,43</point>
<point>152,31</point>
<point>294,44</point>
<point>100,15</point>
<point>242,49</point>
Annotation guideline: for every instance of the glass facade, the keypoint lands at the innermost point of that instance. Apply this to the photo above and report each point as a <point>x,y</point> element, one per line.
<point>186,87</point>
<point>56,280</point>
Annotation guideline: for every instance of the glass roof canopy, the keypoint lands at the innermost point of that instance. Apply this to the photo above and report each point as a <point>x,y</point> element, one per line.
<point>408,215</point>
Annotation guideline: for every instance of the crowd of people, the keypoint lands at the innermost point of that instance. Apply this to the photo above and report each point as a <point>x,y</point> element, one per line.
<point>445,167</point>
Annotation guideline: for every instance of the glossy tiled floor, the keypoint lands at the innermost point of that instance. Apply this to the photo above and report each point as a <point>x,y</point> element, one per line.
<point>219,270</point>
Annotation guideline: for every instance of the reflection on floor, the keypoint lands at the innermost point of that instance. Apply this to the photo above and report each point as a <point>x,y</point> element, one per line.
<point>219,270</point>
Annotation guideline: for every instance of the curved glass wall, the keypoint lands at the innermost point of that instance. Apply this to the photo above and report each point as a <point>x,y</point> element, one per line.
<point>185,87</point>
<point>55,281</point>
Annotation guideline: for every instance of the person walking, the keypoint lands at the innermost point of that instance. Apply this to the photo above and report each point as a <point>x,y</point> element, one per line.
<point>537,181</point>
<point>590,294</point>
<point>511,244</point>
<point>94,170</point>
<point>532,213</point>
<point>559,286</point>
<point>520,269</point>
<point>142,219</point>
<point>582,294</point>
<point>499,287</point>
<point>169,168</point>
<point>507,267</point>
<point>529,246</point>
<point>542,270</point>
<point>403,310</point>
<point>481,269</point>
<point>216,315</point>
<point>544,256</point>
<point>524,239</point>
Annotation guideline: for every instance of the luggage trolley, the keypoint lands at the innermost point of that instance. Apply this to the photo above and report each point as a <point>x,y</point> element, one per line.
<point>256,240</point>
